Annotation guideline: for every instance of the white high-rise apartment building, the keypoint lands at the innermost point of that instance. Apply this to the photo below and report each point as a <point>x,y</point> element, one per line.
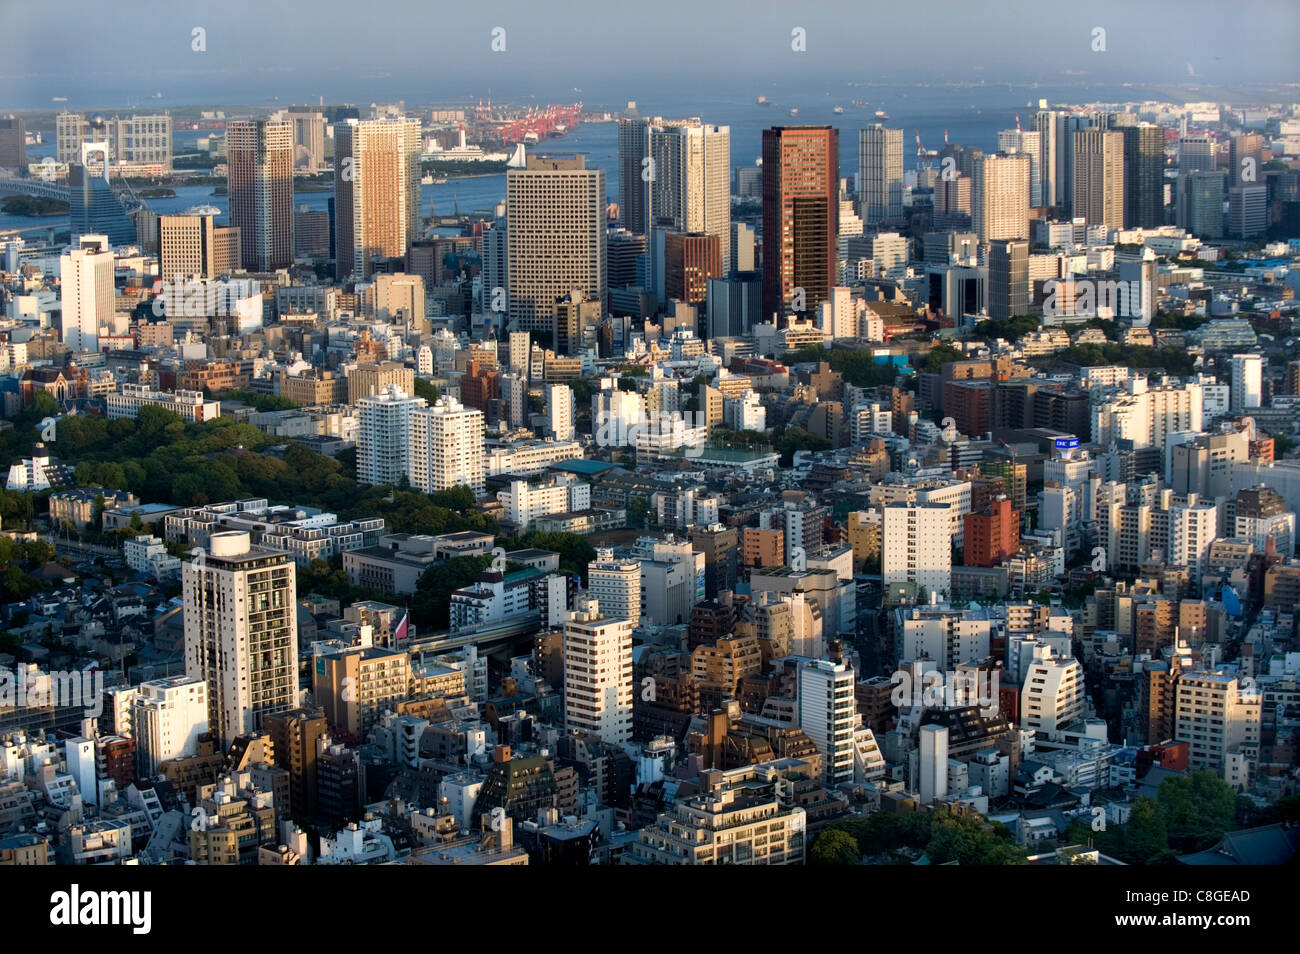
<point>1220,723</point>
<point>384,435</point>
<point>167,718</point>
<point>241,632</point>
<point>1191,531</point>
<point>555,237</point>
<point>447,447</point>
<point>828,715</point>
<point>559,412</point>
<point>1052,696</point>
<point>932,763</point>
<point>519,350</point>
<point>838,317</point>
<point>598,673</point>
<point>690,190</point>
<point>86,292</point>
<point>1246,389</point>
<point>917,545</point>
<point>1026,143</point>
<point>1000,198</point>
<point>616,585</point>
<point>1145,414</point>
<point>880,174</point>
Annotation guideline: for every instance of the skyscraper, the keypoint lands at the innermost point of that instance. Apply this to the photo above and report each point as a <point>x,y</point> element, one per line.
<point>446,447</point>
<point>308,137</point>
<point>1045,123</point>
<point>690,190</point>
<point>1246,390</point>
<point>261,191</point>
<point>13,144</point>
<point>556,237</point>
<point>93,208</point>
<point>241,632</point>
<point>559,412</point>
<point>86,292</point>
<point>633,189</point>
<point>1099,177</point>
<point>377,192</point>
<point>1000,198</point>
<point>1199,208</point>
<point>1022,143</point>
<point>1144,176</point>
<point>880,174</point>
<point>801,170</point>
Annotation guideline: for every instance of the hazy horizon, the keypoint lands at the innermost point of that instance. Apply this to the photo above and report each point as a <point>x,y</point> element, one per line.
<point>256,54</point>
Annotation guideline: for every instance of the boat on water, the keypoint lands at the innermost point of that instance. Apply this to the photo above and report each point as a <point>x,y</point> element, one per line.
<point>432,180</point>
<point>881,114</point>
<point>794,112</point>
<point>860,104</point>
<point>763,101</point>
<point>838,110</point>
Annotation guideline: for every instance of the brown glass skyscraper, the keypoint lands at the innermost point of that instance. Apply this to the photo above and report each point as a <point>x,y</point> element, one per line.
<point>261,191</point>
<point>801,170</point>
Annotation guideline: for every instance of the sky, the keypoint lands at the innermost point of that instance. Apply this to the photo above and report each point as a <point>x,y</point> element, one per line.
<point>352,51</point>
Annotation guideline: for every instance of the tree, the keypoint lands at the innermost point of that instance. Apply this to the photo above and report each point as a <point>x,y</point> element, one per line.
<point>431,605</point>
<point>1145,835</point>
<point>1197,809</point>
<point>833,847</point>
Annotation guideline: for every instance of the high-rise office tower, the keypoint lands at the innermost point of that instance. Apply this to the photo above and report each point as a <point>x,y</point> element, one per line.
<point>93,207</point>
<point>384,435</point>
<point>1099,177</point>
<point>446,447</point>
<point>1195,154</point>
<point>1008,283</point>
<point>13,143</point>
<point>495,269</point>
<point>828,714</point>
<point>1247,387</point>
<point>742,247</point>
<point>261,191</point>
<point>801,172</point>
<point>1247,210</point>
<point>71,131</point>
<point>690,190</point>
<point>1019,142</point>
<point>308,137</point>
<point>880,174</point>
<point>633,187</point>
<point>141,141</point>
<point>519,351</point>
<point>1246,159</point>
<point>1000,198</point>
<point>1045,122</point>
<point>1199,208</point>
<point>376,192</point>
<point>598,673</point>
<point>241,632</point>
<point>86,292</point>
<point>1144,176</point>
<point>556,237</point>
<point>689,262</point>
<point>193,246</point>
